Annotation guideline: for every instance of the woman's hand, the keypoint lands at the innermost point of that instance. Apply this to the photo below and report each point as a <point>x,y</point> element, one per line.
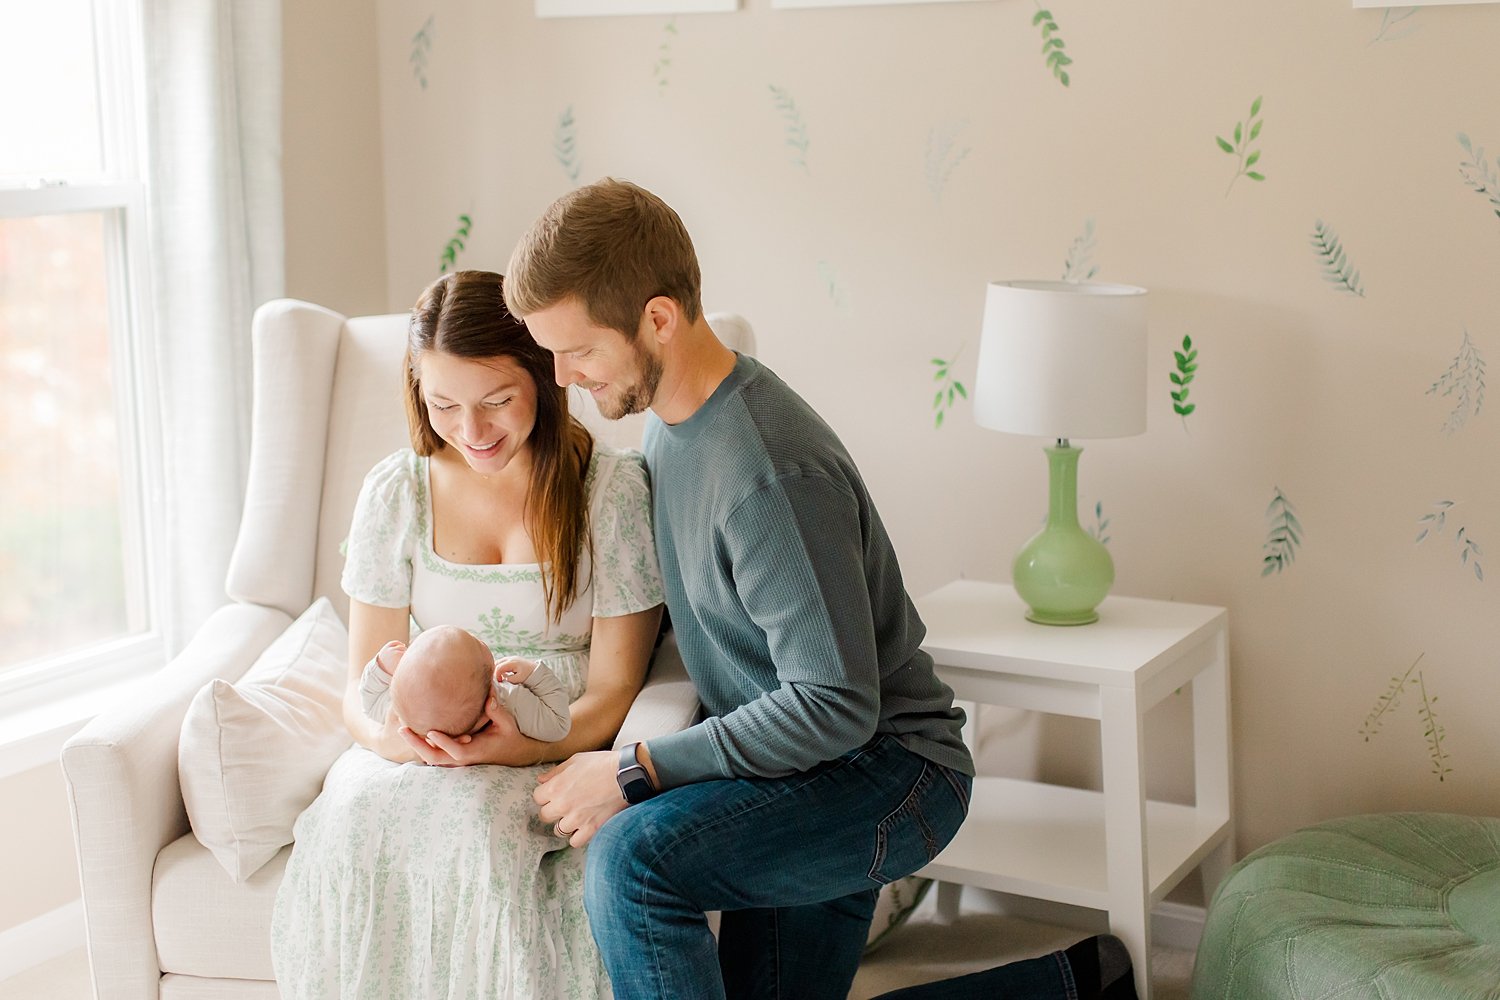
<point>501,742</point>
<point>389,744</point>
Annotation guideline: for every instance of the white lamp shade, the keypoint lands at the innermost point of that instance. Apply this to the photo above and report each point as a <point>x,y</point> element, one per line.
<point>1062,360</point>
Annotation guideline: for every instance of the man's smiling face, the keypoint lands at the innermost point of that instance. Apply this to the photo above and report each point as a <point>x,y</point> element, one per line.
<point>619,372</point>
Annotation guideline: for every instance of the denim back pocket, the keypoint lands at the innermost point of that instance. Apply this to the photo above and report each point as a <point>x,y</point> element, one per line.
<point>915,831</point>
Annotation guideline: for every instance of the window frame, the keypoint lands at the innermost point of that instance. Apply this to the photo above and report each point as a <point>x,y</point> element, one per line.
<point>118,191</point>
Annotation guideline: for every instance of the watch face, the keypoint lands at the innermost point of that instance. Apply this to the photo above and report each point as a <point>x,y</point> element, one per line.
<point>635,785</point>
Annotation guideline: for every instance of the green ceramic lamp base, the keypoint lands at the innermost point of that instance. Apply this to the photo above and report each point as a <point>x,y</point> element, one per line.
<point>1063,573</point>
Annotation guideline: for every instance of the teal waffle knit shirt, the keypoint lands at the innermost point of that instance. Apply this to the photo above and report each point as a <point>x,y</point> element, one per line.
<point>785,594</point>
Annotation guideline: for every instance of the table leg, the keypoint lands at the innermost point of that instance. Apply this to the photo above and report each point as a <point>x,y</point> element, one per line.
<point>1120,727</point>
<point>948,896</point>
<point>1211,761</point>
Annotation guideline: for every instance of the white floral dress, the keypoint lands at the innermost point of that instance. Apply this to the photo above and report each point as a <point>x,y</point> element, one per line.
<point>423,882</point>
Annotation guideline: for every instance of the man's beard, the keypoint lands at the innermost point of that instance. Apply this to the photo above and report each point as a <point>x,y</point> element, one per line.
<point>637,396</point>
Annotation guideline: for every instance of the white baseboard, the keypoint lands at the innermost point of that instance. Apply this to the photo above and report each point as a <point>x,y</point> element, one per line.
<point>41,939</point>
<point>1178,925</point>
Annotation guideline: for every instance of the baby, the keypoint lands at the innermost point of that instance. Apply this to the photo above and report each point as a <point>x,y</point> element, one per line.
<point>441,681</point>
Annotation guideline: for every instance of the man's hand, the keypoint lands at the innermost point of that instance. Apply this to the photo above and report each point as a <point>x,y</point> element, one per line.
<point>579,795</point>
<point>501,742</point>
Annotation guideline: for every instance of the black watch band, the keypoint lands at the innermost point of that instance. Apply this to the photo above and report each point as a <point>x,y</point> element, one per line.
<point>635,782</point>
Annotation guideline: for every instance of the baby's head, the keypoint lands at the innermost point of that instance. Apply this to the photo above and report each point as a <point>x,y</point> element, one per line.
<point>443,682</point>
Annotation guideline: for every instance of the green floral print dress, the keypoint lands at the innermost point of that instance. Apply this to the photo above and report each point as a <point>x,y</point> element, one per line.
<point>424,882</point>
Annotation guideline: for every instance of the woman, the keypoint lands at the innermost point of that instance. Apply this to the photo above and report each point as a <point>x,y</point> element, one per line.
<point>503,518</point>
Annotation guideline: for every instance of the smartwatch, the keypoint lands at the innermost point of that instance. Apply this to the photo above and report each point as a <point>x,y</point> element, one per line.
<point>635,783</point>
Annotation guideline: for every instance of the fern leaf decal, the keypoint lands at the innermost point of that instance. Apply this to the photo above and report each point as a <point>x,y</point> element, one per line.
<point>449,257</point>
<point>1079,265</point>
<point>830,279</point>
<point>1464,380</point>
<point>421,49</point>
<point>948,389</point>
<point>795,129</point>
<point>1387,701</point>
<point>1099,530</point>
<point>1478,174</point>
<point>1187,366</point>
<point>1434,732</point>
<point>1052,46</point>
<point>943,156</point>
<point>565,144</point>
<point>1245,133</point>
<point>1284,537</point>
<point>664,56</point>
<point>1336,267</point>
<point>1393,17</point>
<point>1468,549</point>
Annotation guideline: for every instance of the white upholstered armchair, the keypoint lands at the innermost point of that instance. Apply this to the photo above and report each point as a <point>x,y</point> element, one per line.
<point>164,919</point>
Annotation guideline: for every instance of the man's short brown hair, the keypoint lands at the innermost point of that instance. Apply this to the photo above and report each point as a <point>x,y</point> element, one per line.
<point>612,245</point>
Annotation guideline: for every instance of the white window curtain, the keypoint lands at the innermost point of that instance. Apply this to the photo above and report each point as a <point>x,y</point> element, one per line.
<point>213,119</point>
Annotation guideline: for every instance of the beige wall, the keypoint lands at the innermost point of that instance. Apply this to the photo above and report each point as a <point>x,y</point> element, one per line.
<point>335,226</point>
<point>862,267</point>
<point>40,872</point>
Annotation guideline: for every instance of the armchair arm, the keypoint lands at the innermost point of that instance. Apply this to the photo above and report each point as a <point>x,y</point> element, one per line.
<point>668,702</point>
<point>124,797</point>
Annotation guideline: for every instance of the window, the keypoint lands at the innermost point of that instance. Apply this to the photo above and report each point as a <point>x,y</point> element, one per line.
<point>78,458</point>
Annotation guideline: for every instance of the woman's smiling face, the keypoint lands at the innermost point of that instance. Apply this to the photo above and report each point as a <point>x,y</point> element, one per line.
<point>483,409</point>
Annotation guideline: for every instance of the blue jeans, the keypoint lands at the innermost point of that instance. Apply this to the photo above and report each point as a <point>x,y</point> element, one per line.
<point>793,863</point>
<point>1048,977</point>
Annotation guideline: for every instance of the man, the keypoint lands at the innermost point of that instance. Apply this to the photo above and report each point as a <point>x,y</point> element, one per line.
<point>831,760</point>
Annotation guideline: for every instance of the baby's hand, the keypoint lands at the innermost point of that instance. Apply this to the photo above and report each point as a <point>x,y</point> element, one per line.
<point>513,669</point>
<point>389,656</point>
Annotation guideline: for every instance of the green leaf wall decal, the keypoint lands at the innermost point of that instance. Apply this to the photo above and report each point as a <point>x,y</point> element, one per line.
<point>1433,732</point>
<point>1099,530</point>
<point>1478,174</point>
<point>1283,538</point>
<point>421,49</point>
<point>1392,24</point>
<point>1387,701</point>
<point>565,144</point>
<point>1335,263</point>
<point>449,257</point>
<point>1052,46</point>
<point>664,56</point>
<point>1079,265</point>
<point>949,389</point>
<point>830,279</point>
<point>1187,367</point>
<point>1464,380</point>
<point>1468,550</point>
<point>795,129</point>
<point>1240,148</point>
<point>944,154</point>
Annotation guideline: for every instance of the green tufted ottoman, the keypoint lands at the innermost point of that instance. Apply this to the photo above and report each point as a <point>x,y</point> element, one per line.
<point>1397,906</point>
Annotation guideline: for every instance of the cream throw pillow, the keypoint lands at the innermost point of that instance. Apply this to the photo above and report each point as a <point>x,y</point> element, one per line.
<point>253,754</point>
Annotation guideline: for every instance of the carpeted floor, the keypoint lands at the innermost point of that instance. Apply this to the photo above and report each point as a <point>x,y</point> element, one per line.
<point>919,952</point>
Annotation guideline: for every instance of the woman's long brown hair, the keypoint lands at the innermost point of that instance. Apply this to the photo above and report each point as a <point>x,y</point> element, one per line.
<point>463,314</point>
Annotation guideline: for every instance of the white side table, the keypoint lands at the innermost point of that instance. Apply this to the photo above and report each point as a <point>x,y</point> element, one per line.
<point>1112,850</point>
